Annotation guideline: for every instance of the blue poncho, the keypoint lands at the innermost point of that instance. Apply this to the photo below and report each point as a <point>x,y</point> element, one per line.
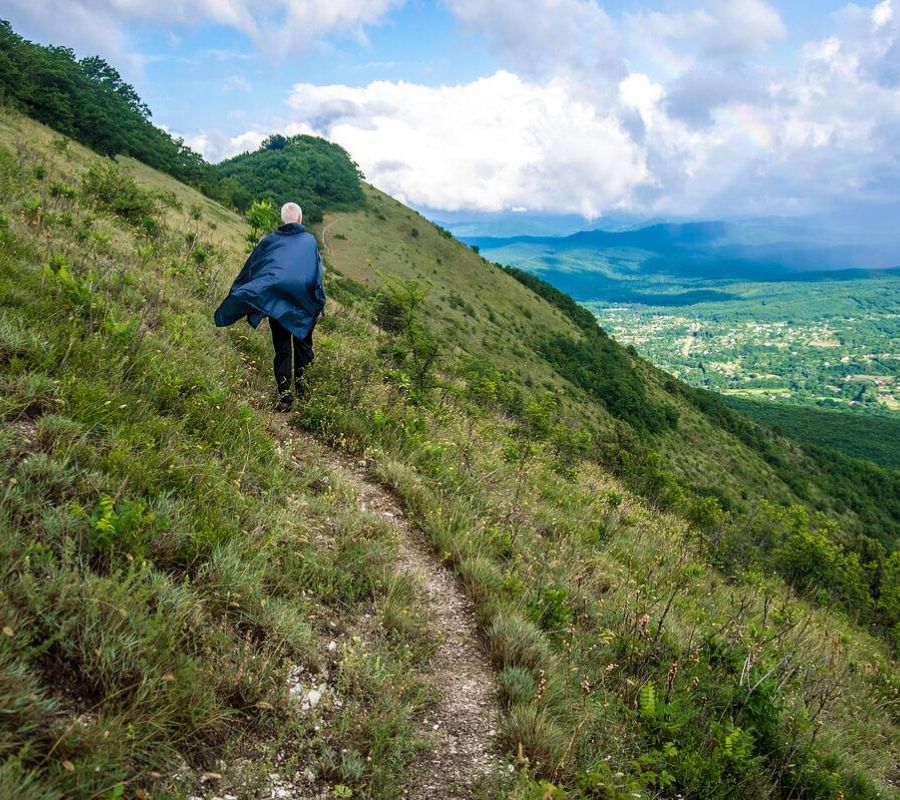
<point>281,279</point>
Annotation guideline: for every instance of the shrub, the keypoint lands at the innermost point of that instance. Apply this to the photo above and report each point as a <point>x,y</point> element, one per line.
<point>262,219</point>
<point>106,188</point>
<point>811,561</point>
<point>414,348</point>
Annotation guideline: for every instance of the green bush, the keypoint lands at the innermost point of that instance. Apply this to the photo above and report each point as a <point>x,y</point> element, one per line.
<point>812,562</point>
<point>107,188</point>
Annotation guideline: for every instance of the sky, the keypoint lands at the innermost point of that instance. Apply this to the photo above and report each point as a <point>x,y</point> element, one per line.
<point>678,108</point>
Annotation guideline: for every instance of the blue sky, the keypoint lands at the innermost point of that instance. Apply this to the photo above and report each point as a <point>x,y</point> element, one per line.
<point>672,107</point>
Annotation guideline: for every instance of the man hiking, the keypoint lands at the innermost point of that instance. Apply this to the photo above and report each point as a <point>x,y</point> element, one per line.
<point>282,280</point>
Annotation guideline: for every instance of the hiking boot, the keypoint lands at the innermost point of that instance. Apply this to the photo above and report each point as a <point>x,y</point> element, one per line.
<point>285,402</point>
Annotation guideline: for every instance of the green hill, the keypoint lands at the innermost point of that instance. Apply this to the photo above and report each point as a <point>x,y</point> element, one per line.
<point>675,600</point>
<point>89,101</point>
<point>317,174</point>
<point>670,439</point>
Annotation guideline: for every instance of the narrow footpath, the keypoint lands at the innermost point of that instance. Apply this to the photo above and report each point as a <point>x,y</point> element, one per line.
<point>463,727</point>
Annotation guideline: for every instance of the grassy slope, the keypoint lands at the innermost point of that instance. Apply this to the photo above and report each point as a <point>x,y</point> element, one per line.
<point>586,597</point>
<point>508,318</point>
<point>165,563</point>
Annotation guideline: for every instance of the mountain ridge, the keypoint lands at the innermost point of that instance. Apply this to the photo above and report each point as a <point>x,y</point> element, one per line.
<point>714,248</point>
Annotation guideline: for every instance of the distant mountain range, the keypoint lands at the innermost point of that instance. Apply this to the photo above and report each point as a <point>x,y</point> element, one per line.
<point>468,224</point>
<point>764,249</point>
<point>685,263</point>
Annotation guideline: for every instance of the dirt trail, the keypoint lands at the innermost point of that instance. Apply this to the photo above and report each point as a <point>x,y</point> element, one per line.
<point>464,725</point>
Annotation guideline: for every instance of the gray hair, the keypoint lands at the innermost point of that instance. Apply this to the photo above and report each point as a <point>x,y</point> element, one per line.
<point>291,212</point>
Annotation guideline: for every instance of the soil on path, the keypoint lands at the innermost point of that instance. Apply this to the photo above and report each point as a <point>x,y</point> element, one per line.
<point>463,727</point>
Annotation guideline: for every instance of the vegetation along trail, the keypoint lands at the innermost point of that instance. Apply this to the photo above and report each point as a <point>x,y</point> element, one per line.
<point>464,724</point>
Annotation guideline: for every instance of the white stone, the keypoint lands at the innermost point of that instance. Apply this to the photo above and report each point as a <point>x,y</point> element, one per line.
<point>312,699</point>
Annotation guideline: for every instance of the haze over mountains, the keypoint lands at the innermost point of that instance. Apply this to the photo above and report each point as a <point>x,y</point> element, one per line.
<point>758,249</point>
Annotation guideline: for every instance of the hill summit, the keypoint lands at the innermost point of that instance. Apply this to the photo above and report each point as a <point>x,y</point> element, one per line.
<point>304,169</point>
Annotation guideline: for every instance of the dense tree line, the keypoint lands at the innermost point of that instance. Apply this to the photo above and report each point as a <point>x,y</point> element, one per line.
<point>869,436</point>
<point>597,364</point>
<point>89,101</point>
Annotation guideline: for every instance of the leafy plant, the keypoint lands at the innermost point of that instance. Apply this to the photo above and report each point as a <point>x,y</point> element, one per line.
<point>262,219</point>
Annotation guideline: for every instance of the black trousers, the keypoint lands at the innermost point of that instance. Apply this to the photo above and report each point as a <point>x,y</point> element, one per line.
<point>303,355</point>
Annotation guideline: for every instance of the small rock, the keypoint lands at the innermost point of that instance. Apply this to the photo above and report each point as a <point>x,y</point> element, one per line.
<point>332,646</point>
<point>313,696</point>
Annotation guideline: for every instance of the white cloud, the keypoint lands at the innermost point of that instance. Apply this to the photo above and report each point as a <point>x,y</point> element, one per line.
<point>719,28</point>
<point>882,14</point>
<point>537,35</point>
<point>793,139</point>
<point>216,146</point>
<point>276,26</point>
<point>491,144</point>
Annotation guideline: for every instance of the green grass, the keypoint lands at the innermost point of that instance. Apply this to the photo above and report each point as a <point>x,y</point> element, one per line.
<point>586,598</point>
<point>168,563</point>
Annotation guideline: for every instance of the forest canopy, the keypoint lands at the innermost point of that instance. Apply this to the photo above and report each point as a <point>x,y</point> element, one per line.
<point>317,174</point>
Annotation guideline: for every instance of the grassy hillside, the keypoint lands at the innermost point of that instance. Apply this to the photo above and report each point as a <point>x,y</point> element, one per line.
<point>481,311</point>
<point>169,568</point>
<point>171,560</point>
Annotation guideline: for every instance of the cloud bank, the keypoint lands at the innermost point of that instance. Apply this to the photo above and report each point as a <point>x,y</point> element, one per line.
<point>574,129</point>
<point>492,144</point>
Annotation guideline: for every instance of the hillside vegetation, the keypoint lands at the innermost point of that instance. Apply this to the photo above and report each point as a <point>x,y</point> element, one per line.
<point>866,436</point>
<point>170,563</point>
<point>315,173</point>
<point>89,101</point>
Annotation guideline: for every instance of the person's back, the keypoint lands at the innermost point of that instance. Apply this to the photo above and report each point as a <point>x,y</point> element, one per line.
<point>282,280</point>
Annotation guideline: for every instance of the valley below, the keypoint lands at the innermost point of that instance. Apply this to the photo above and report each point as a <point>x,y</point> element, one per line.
<point>815,352</point>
